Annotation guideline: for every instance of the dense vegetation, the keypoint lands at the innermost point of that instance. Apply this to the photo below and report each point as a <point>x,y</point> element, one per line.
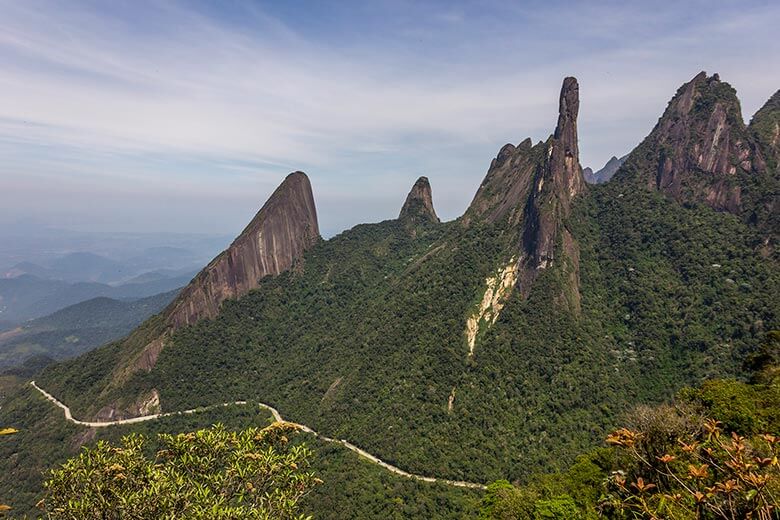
<point>77,329</point>
<point>351,487</point>
<point>710,454</point>
<point>367,341</point>
<point>207,474</point>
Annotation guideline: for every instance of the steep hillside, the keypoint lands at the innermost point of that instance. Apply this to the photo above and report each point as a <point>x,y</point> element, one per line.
<point>503,342</point>
<point>765,127</point>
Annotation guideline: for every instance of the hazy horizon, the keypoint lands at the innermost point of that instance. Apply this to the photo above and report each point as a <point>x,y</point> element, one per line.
<point>184,117</point>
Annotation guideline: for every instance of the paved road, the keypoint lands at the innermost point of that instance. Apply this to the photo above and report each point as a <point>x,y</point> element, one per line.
<point>277,417</point>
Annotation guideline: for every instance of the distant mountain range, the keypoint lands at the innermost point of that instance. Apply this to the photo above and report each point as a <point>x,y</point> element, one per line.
<point>90,267</point>
<point>605,173</point>
<point>27,297</point>
<point>76,329</point>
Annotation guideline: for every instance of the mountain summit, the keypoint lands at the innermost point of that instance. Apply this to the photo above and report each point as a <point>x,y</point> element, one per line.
<point>765,127</point>
<point>532,187</point>
<point>556,183</point>
<point>277,236</point>
<point>605,173</point>
<point>418,207</point>
<point>275,239</point>
<point>700,146</point>
<point>701,152</point>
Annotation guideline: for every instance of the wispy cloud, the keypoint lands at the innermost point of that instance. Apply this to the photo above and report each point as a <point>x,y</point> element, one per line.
<point>144,99</point>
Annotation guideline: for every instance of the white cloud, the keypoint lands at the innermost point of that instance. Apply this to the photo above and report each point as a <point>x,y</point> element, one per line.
<point>175,100</point>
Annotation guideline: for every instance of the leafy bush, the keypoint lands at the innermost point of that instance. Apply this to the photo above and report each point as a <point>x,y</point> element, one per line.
<point>706,475</point>
<point>211,473</point>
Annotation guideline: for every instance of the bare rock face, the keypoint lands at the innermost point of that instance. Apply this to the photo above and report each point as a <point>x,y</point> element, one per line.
<point>533,186</point>
<point>277,236</point>
<point>418,207</point>
<point>504,190</point>
<point>557,182</point>
<point>765,128</point>
<point>701,146</point>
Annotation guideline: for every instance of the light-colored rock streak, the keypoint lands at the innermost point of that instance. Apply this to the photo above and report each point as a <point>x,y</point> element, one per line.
<point>277,417</point>
<point>499,286</point>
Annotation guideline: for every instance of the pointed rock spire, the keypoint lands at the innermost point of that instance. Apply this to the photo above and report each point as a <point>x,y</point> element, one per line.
<point>564,167</point>
<point>556,183</point>
<point>418,207</point>
<point>277,236</point>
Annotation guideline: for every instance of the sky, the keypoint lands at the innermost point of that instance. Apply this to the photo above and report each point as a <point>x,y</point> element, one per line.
<point>184,116</point>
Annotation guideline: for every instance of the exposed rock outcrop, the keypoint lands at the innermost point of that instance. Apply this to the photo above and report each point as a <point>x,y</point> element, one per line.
<point>557,182</point>
<point>533,186</point>
<point>700,147</point>
<point>498,287</point>
<point>277,236</point>
<point>418,207</point>
<point>504,190</point>
<point>765,128</point>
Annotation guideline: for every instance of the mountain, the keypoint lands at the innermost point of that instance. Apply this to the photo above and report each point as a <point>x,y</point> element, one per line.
<point>765,127</point>
<point>605,173</point>
<point>418,206</point>
<point>29,268</point>
<point>277,236</point>
<point>73,267</point>
<point>502,343</point>
<point>84,266</point>
<point>77,328</point>
<point>701,151</point>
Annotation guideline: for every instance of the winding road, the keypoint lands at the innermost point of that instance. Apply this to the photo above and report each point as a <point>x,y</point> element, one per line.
<point>277,417</point>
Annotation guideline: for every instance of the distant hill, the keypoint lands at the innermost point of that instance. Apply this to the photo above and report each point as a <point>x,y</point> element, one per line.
<point>27,297</point>
<point>84,266</point>
<point>77,328</point>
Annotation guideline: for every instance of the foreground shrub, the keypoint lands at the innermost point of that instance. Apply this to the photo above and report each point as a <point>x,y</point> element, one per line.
<point>703,474</point>
<point>211,473</point>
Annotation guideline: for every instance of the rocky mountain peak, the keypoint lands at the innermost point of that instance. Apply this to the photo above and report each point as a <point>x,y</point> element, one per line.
<point>418,207</point>
<point>558,180</point>
<point>274,240</point>
<point>589,174</point>
<point>606,173</point>
<point>568,109</point>
<point>532,186</point>
<point>701,146</point>
<point>564,164</point>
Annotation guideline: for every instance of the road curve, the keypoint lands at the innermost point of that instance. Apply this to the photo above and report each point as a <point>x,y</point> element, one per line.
<point>277,417</point>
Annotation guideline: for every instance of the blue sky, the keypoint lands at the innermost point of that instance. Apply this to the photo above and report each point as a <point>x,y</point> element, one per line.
<point>184,116</point>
